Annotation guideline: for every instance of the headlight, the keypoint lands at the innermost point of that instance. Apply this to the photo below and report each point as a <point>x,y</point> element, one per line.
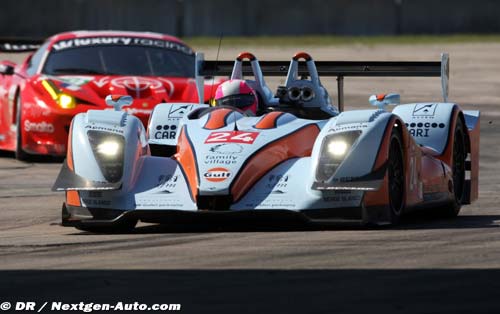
<point>337,148</point>
<point>108,149</point>
<point>334,149</point>
<point>64,100</point>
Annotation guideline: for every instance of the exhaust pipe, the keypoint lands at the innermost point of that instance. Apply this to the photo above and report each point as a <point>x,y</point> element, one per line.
<point>307,94</point>
<point>294,93</point>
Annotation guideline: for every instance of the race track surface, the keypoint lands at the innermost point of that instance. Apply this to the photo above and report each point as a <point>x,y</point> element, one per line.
<point>425,265</point>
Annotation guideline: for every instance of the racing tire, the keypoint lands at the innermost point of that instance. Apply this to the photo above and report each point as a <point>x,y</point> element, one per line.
<point>458,171</point>
<point>19,152</point>
<point>396,177</point>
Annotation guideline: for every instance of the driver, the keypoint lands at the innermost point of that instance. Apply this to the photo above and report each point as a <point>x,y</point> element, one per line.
<point>237,93</point>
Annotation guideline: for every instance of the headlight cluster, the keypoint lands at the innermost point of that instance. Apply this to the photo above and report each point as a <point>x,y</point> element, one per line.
<point>333,151</point>
<point>64,100</point>
<point>108,150</point>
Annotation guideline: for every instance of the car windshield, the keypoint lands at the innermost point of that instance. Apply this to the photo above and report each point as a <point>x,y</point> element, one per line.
<point>120,60</point>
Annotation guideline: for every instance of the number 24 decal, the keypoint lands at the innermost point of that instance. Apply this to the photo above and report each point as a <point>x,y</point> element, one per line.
<point>232,137</point>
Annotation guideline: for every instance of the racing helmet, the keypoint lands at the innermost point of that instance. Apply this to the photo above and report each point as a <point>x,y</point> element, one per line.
<point>236,93</point>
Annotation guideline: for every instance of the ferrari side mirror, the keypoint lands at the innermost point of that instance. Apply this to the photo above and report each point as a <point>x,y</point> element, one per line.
<point>6,69</point>
<point>119,101</point>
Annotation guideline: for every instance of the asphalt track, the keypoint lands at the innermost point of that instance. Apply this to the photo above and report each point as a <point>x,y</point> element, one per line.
<point>425,265</point>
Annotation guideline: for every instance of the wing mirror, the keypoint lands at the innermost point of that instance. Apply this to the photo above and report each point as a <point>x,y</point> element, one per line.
<point>119,101</point>
<point>383,100</point>
<point>6,69</point>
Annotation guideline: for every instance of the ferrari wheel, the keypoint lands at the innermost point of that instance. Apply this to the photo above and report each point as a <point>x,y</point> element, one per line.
<point>20,153</point>
<point>395,173</point>
<point>458,170</point>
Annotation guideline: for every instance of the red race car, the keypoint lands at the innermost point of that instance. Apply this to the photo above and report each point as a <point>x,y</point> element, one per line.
<point>74,71</point>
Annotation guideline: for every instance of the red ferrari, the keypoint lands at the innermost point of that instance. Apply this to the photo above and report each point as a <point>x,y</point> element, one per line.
<point>73,72</point>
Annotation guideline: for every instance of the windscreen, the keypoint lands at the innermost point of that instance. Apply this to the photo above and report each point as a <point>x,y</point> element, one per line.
<point>120,56</point>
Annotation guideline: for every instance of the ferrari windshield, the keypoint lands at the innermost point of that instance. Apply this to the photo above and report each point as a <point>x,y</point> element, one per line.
<point>120,60</point>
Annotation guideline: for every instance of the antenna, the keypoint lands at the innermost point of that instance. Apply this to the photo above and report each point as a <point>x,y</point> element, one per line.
<point>215,68</point>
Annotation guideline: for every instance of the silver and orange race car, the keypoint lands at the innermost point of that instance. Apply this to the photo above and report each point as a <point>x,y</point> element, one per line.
<point>301,156</point>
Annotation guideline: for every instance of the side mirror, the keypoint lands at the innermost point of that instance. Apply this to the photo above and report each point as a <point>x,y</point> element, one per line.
<point>383,100</point>
<point>6,69</point>
<point>119,101</point>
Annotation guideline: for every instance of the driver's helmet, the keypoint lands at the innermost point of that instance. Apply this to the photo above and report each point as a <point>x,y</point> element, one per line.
<point>236,93</point>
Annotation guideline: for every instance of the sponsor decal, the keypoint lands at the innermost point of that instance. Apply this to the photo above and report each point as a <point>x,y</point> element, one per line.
<point>102,128</point>
<point>121,41</point>
<point>229,148</point>
<point>221,159</point>
<point>240,137</point>
<point>218,174</point>
<point>177,112</point>
<point>278,184</point>
<point>137,83</point>
<point>356,126</point>
<point>41,127</point>
<point>75,80</point>
<point>165,131</point>
<point>427,110</point>
<point>167,183</point>
<point>96,202</point>
<point>422,129</point>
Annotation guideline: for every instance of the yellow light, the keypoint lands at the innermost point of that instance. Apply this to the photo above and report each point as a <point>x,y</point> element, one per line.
<point>50,89</point>
<point>66,101</point>
<point>108,148</point>
<point>337,148</point>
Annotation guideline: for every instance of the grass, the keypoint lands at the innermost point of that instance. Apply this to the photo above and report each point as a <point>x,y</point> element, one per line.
<point>328,40</point>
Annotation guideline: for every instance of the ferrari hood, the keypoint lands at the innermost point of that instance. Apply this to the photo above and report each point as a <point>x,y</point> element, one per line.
<point>148,90</point>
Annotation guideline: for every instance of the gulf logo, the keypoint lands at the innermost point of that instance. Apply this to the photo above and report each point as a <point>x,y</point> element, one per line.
<point>218,174</point>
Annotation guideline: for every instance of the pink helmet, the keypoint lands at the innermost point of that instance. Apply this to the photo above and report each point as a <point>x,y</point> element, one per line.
<point>236,93</point>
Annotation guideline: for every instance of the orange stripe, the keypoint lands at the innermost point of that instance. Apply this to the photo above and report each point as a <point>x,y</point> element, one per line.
<point>187,160</point>
<point>298,144</point>
<point>69,153</point>
<point>73,198</point>
<point>269,120</point>
<point>217,119</point>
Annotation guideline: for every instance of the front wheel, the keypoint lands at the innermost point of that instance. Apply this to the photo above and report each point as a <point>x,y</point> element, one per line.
<point>19,152</point>
<point>396,179</point>
<point>458,170</point>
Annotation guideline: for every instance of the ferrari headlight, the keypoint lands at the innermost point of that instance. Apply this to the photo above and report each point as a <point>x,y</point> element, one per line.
<point>108,149</point>
<point>66,101</point>
<point>334,149</point>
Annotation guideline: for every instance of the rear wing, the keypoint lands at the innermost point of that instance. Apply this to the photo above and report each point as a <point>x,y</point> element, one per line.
<point>339,69</point>
<point>15,45</point>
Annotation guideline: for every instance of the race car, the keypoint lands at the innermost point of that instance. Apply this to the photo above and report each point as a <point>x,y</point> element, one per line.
<point>300,156</point>
<point>73,72</point>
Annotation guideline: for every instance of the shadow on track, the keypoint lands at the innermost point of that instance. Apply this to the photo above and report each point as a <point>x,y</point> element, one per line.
<point>267,291</point>
<point>413,222</point>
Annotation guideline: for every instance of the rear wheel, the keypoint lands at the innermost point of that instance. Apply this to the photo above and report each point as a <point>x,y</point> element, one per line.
<point>20,153</point>
<point>458,170</point>
<point>395,173</point>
